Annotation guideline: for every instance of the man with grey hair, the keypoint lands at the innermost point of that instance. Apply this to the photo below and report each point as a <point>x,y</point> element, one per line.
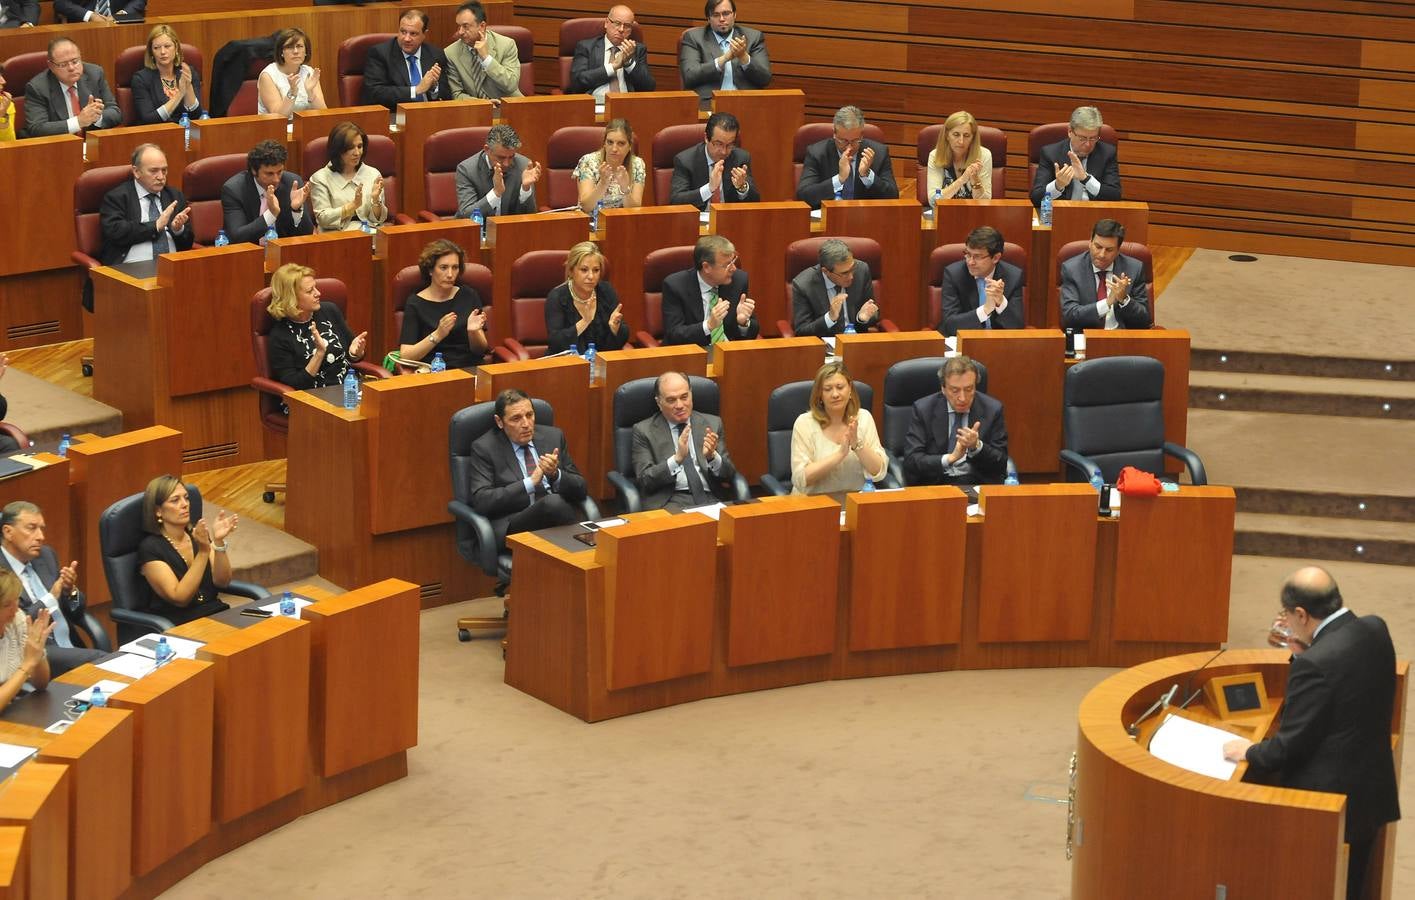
<point>709,303</point>
<point>44,582</point>
<point>498,180</point>
<point>838,292</point>
<point>144,216</point>
<point>958,435</point>
<point>847,166</point>
<point>1079,167</point>
<point>680,455</point>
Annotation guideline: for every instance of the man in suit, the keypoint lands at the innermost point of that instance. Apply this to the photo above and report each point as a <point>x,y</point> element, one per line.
<point>958,435</point>
<point>838,291</point>
<point>265,196</point>
<point>145,217</point>
<point>718,171</point>
<point>522,475</point>
<point>612,63</point>
<point>849,164</point>
<point>980,290</point>
<point>1079,167</point>
<point>722,55</point>
<point>481,64</point>
<point>19,13</point>
<point>69,98</point>
<point>498,180</point>
<point>680,455</point>
<point>709,302</point>
<point>108,12</point>
<point>406,69</point>
<point>1104,288</point>
<point>45,583</point>
<point>1336,717</point>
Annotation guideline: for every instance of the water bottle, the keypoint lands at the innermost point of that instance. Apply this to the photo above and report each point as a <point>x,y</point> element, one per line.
<point>478,217</point>
<point>438,363</point>
<point>574,349</point>
<point>849,327</point>
<point>221,239</point>
<point>589,358</point>
<point>869,486</point>
<point>933,203</point>
<point>1011,478</point>
<point>164,652</point>
<point>270,235</point>
<point>287,605</point>
<point>839,195</point>
<point>64,444</point>
<point>96,698</point>
<point>594,216</point>
<point>1046,210</point>
<point>351,390</point>
<point>204,116</point>
<point>186,123</point>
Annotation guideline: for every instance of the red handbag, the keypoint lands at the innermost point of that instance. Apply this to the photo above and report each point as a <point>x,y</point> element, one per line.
<point>1136,482</point>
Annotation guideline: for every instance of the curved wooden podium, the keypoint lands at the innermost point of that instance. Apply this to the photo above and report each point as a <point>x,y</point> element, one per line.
<point>1137,819</point>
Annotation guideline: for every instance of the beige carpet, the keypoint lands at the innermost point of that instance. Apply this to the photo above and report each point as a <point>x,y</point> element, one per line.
<point>918,786</point>
<point>45,410</point>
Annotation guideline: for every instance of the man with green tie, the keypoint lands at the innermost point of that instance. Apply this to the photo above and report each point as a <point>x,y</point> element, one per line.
<point>709,303</point>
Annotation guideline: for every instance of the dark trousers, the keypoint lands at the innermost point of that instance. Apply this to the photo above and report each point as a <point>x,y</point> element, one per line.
<point>548,511</point>
<point>62,659</point>
<point>1357,863</point>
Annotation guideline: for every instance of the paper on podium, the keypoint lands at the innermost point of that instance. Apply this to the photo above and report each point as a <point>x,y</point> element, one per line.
<point>1193,745</point>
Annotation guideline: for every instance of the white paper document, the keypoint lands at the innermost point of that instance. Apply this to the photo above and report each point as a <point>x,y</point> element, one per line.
<point>712,510</point>
<point>109,689</point>
<point>147,646</point>
<point>1194,746</point>
<point>12,755</point>
<point>131,665</point>
<point>610,523</point>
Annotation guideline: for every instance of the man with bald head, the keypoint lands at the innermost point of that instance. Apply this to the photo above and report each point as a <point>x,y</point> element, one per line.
<point>1336,715</point>
<point>70,97</point>
<point>680,455</point>
<point>612,62</point>
<point>144,216</point>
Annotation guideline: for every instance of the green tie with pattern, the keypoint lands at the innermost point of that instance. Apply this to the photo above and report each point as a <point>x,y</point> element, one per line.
<point>718,333</point>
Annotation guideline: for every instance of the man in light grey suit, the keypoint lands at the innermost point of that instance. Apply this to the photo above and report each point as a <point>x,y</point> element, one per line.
<point>72,96</point>
<point>838,291</point>
<point>722,54</point>
<point>1104,288</point>
<point>44,583</point>
<point>680,456</point>
<point>482,64</point>
<point>498,181</point>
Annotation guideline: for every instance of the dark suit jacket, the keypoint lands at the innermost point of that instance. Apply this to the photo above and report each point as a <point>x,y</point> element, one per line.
<point>699,47</point>
<point>960,298</point>
<point>148,96</point>
<point>683,309</point>
<point>497,489</point>
<point>121,217</point>
<point>46,566</point>
<point>47,110</point>
<point>1102,163</point>
<point>587,68</point>
<point>20,11</point>
<point>386,74</point>
<point>474,181</point>
<point>1078,293</point>
<point>1336,718</point>
<point>823,164</point>
<point>810,303</point>
<point>240,209</point>
<point>654,443</point>
<point>561,316</point>
<point>74,10</point>
<point>929,438</point>
<point>690,173</point>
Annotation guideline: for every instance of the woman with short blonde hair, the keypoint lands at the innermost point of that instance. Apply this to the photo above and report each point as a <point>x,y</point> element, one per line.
<point>21,641</point>
<point>584,309</point>
<point>310,345</point>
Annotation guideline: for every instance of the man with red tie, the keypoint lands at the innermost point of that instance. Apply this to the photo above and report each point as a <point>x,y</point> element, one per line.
<point>69,98</point>
<point>1104,288</point>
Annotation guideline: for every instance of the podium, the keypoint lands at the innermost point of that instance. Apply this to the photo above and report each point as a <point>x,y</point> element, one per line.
<point>115,146</point>
<point>1129,806</point>
<point>895,225</point>
<point>761,232</point>
<point>345,255</point>
<point>235,134</point>
<point>621,367</point>
<point>416,123</point>
<point>1025,372</point>
<point>747,373</point>
<point>769,121</point>
<point>537,118</point>
<point>650,112</point>
<point>868,356</point>
<point>1171,348</point>
<point>629,235</point>
<point>511,236</point>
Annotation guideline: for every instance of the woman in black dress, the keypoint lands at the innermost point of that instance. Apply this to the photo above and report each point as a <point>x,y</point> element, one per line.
<point>446,316</point>
<point>584,309</point>
<point>166,86</point>
<point>310,345</point>
<point>183,565</point>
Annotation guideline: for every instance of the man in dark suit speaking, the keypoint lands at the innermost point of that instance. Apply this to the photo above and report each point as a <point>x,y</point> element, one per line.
<point>825,298</point>
<point>44,583</point>
<point>264,196</point>
<point>1079,167</point>
<point>145,217</point>
<point>709,302</point>
<point>406,69</point>
<point>522,475</point>
<point>680,455</point>
<point>1336,717</point>
<point>958,435</point>
<point>717,172</point>
<point>848,164</point>
<point>69,98</point>
<point>981,290</point>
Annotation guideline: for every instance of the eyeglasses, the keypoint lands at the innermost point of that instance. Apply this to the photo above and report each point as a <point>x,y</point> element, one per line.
<point>723,146</point>
<point>843,143</point>
<point>1085,139</point>
<point>727,265</point>
<point>977,257</point>
<point>622,26</point>
<point>846,274</point>
<point>67,63</point>
<point>726,14</point>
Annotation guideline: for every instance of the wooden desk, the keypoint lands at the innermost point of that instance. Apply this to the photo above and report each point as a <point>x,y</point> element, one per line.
<point>1025,372</point>
<point>895,225</point>
<point>345,255</point>
<point>234,134</point>
<point>769,112</point>
<point>38,801</point>
<point>869,356</point>
<point>416,123</point>
<point>512,236</point>
<point>761,232</point>
<point>629,235</point>
<point>537,118</point>
<point>747,373</point>
<point>115,146</point>
<point>48,488</point>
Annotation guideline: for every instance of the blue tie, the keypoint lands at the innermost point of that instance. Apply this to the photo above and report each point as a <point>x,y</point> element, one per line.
<point>415,73</point>
<point>154,211</point>
<point>727,84</point>
<point>983,300</point>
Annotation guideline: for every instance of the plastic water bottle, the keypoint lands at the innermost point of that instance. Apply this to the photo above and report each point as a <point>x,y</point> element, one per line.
<point>594,216</point>
<point>840,195</point>
<point>96,698</point>
<point>221,239</point>
<point>64,444</point>
<point>478,217</point>
<point>1011,478</point>
<point>933,201</point>
<point>849,327</point>
<point>351,390</point>
<point>186,123</point>
<point>163,654</point>
<point>204,116</point>
<point>574,349</point>
<point>438,363</point>
<point>869,486</point>
<point>270,235</point>
<point>287,605</point>
<point>589,358</point>
<point>1046,210</point>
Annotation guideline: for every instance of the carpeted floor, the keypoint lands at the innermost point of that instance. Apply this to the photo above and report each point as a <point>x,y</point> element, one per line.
<point>940,785</point>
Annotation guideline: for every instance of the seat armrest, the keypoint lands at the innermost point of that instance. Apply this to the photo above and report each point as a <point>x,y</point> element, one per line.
<point>629,497</point>
<point>270,386</point>
<point>896,468</point>
<point>516,347</point>
<point>372,370</point>
<point>741,490</point>
<point>145,622</point>
<point>776,488</point>
<point>784,326</point>
<point>891,480</point>
<point>888,326</point>
<point>1085,465</point>
<point>484,537</point>
<point>404,219</point>
<point>246,589</point>
<point>591,508</point>
<point>1191,461</point>
<point>647,340</point>
<point>426,216</point>
<point>504,355</point>
<point>83,259</point>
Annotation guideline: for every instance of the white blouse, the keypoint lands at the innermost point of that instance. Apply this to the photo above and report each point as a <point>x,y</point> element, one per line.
<point>282,81</point>
<point>809,443</point>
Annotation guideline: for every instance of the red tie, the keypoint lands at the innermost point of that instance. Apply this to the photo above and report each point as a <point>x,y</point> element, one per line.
<point>530,460</point>
<point>74,99</point>
<point>1101,285</point>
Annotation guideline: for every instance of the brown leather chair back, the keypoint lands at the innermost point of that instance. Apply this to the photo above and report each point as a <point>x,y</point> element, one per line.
<point>658,265</point>
<point>667,144</point>
<point>19,69</point>
<point>525,54</point>
<point>201,182</point>
<point>443,152</point>
<point>533,276</point>
<point>352,55</point>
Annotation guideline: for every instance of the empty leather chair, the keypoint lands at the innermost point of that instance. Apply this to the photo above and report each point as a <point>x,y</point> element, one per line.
<point>533,275</point>
<point>525,55</point>
<point>667,144</point>
<point>89,191</point>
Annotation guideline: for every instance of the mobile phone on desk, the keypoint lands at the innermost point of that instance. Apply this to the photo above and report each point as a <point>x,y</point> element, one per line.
<point>256,612</point>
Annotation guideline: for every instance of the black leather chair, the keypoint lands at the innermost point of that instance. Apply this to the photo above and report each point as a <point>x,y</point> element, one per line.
<point>784,405</point>
<point>75,609</point>
<point>119,533</point>
<point>634,402</point>
<point>476,540</point>
<point>906,383</point>
<point>1113,417</point>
